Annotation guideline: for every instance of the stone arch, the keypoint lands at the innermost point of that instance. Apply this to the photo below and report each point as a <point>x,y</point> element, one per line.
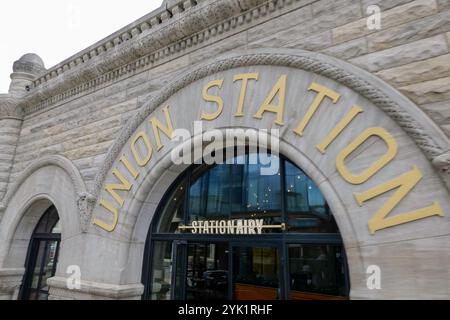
<point>426,134</point>
<point>125,245</point>
<point>52,180</point>
<point>150,192</point>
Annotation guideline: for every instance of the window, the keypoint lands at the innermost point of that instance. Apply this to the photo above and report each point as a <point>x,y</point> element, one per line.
<point>183,265</point>
<point>42,257</point>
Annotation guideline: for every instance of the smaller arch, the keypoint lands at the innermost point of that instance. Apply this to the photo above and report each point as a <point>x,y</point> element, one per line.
<point>52,180</point>
<point>53,160</point>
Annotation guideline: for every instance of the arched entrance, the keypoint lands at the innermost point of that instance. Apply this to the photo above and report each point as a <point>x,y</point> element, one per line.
<point>42,257</point>
<point>368,149</point>
<point>230,231</point>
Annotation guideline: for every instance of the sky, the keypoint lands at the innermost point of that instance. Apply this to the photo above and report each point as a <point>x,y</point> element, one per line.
<point>57,29</point>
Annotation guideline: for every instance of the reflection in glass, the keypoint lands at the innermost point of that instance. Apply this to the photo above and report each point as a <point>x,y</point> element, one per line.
<point>44,268</point>
<point>316,272</point>
<point>162,270</point>
<point>172,215</point>
<point>43,256</point>
<point>306,207</point>
<point>236,190</point>
<point>207,275</point>
<point>209,193</point>
<point>256,273</point>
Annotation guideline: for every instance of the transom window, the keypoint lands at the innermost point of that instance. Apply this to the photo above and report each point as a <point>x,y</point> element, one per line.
<point>183,265</point>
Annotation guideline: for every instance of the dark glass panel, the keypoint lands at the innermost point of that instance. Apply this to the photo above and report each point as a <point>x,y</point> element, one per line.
<point>48,221</point>
<point>316,272</point>
<point>306,207</point>
<point>209,195</point>
<point>40,246</point>
<point>207,275</point>
<point>49,264</point>
<point>253,191</point>
<point>172,214</point>
<point>162,270</point>
<point>256,273</point>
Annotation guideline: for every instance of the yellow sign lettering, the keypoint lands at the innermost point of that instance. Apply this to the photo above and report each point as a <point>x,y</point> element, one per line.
<point>157,125</point>
<point>404,184</point>
<point>279,87</point>
<point>244,77</point>
<point>210,98</point>
<point>141,161</point>
<point>323,92</point>
<point>374,167</point>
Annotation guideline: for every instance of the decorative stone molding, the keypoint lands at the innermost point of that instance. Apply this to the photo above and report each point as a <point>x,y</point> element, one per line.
<point>442,162</point>
<point>149,41</point>
<point>9,107</point>
<point>428,137</point>
<point>10,281</point>
<point>85,201</point>
<point>93,290</point>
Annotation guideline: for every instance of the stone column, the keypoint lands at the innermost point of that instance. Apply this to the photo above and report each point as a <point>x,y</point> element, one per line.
<point>25,70</point>
<point>10,125</point>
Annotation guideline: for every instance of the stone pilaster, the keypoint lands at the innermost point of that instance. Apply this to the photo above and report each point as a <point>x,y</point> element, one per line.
<point>10,125</point>
<point>25,70</point>
<point>10,281</point>
<point>93,291</point>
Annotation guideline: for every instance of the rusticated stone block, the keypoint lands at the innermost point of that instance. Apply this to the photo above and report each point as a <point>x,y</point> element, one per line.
<point>411,31</point>
<point>403,54</point>
<point>428,92</point>
<point>393,17</point>
<point>420,71</point>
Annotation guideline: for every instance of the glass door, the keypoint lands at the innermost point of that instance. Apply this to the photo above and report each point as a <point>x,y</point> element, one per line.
<point>256,272</point>
<point>207,271</point>
<point>41,266</point>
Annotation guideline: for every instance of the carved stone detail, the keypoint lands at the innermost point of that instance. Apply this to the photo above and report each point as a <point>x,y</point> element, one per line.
<point>9,107</point>
<point>85,200</point>
<point>433,144</point>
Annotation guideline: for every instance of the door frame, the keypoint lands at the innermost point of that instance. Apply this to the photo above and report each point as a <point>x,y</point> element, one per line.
<point>31,260</point>
<point>259,244</point>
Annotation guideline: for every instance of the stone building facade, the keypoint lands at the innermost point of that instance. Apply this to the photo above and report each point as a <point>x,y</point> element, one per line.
<point>70,132</point>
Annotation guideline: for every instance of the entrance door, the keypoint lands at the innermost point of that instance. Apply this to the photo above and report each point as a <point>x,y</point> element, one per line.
<point>207,271</point>
<point>42,257</point>
<point>256,272</point>
<point>41,266</point>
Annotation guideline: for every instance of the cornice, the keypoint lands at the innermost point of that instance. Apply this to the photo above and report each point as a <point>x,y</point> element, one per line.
<point>131,48</point>
<point>427,136</point>
<point>144,48</point>
<point>9,107</point>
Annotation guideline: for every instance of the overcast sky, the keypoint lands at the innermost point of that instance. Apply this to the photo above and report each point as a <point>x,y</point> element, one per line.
<point>57,29</point>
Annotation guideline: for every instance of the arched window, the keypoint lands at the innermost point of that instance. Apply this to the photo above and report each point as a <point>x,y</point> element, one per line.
<point>42,257</point>
<point>223,232</point>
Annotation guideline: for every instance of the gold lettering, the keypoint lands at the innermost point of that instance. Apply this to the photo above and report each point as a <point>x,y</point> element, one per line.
<point>209,98</point>
<point>157,125</point>
<point>105,226</point>
<point>244,77</point>
<point>339,128</point>
<point>129,167</point>
<point>125,185</point>
<point>279,87</point>
<point>141,135</point>
<point>376,166</point>
<point>323,92</point>
<point>404,184</point>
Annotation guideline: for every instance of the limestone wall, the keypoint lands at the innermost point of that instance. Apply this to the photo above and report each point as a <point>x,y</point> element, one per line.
<point>411,52</point>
